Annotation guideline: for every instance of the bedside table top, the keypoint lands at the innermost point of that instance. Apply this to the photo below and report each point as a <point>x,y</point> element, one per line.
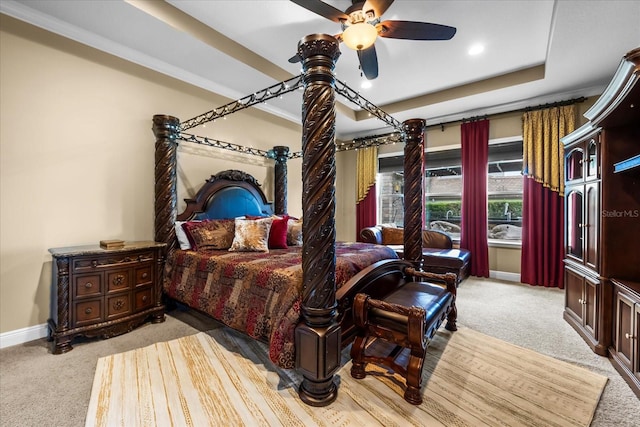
<point>97,250</point>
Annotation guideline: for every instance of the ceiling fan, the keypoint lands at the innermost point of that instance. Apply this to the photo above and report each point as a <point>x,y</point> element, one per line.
<point>361,26</point>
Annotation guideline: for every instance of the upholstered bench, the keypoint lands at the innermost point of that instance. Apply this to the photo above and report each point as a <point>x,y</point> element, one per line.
<point>438,253</point>
<point>409,318</point>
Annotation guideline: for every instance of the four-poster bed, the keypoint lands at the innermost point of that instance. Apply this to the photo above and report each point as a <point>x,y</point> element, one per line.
<point>323,323</point>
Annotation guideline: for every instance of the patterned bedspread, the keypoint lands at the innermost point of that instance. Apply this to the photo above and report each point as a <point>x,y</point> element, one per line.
<point>258,293</point>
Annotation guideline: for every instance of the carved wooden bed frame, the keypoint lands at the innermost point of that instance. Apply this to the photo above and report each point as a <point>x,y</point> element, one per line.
<point>319,336</point>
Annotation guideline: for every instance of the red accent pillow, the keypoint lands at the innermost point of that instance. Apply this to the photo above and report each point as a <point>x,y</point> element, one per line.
<point>278,232</point>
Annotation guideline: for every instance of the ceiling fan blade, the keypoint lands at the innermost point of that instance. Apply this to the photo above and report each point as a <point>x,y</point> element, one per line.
<point>369,62</point>
<point>323,9</point>
<point>415,30</point>
<point>295,58</point>
<point>378,6</point>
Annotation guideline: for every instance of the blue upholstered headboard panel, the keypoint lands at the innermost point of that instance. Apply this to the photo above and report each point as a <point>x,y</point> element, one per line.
<point>232,202</point>
<point>228,194</point>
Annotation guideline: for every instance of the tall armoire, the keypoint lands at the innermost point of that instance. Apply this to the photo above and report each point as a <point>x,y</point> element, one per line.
<point>602,223</point>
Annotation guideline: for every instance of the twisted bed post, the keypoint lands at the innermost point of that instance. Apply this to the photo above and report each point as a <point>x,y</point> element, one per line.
<point>413,190</point>
<point>318,336</point>
<point>165,129</point>
<point>280,189</point>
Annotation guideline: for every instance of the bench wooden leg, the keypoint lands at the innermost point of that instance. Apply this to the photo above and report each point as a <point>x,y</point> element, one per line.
<point>357,361</point>
<point>452,318</point>
<point>412,393</point>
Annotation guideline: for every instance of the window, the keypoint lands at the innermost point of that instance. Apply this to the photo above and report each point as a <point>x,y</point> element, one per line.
<point>443,191</point>
<point>504,190</point>
<point>390,186</point>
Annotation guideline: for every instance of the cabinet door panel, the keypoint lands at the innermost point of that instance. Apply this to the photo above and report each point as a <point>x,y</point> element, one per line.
<point>593,159</point>
<point>636,341</point>
<point>624,323</point>
<point>573,162</point>
<point>590,304</point>
<point>591,225</point>
<point>574,224</point>
<point>573,284</point>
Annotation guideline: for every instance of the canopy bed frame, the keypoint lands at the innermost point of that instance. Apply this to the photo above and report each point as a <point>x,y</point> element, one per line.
<point>323,330</point>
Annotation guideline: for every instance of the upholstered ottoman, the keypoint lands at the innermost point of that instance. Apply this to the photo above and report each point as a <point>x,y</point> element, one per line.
<point>447,261</point>
<point>442,261</point>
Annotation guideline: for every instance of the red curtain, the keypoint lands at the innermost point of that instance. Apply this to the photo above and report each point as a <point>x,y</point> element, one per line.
<point>366,211</point>
<point>474,224</point>
<point>542,235</point>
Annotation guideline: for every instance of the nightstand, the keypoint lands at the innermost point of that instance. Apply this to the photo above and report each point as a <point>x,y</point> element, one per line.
<point>104,292</point>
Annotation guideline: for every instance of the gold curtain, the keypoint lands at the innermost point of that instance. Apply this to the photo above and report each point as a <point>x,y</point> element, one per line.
<point>366,170</point>
<point>542,150</point>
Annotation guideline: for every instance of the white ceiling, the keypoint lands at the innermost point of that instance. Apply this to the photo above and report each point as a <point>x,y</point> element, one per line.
<point>244,46</point>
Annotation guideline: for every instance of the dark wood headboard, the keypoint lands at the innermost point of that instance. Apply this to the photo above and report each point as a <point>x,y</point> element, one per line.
<point>227,194</point>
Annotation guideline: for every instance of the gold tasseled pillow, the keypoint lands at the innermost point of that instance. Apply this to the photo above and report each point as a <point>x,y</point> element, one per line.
<point>210,234</point>
<point>252,235</point>
<point>294,232</point>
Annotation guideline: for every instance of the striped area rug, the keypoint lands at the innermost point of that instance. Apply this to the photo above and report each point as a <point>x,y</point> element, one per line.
<point>221,378</point>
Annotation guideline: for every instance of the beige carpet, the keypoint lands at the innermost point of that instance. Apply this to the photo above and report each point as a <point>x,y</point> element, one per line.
<point>220,378</point>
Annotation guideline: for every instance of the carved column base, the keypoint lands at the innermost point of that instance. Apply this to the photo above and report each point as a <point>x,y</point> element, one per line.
<point>318,359</point>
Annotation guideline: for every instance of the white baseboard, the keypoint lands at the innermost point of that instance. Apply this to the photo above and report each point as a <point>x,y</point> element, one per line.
<point>21,336</point>
<point>504,275</point>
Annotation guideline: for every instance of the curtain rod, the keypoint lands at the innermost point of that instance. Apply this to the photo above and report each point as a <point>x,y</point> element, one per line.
<point>520,110</point>
<point>393,137</point>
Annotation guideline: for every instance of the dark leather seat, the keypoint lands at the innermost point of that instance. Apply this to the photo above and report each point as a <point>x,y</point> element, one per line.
<point>408,317</point>
<point>438,253</point>
<point>434,299</point>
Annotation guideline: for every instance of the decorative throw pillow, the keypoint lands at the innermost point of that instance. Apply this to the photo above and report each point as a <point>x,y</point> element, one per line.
<point>392,236</point>
<point>294,232</point>
<point>181,235</point>
<point>210,234</point>
<point>278,232</point>
<point>251,235</point>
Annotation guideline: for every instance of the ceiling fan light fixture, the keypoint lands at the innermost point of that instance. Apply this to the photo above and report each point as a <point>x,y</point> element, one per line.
<point>360,36</point>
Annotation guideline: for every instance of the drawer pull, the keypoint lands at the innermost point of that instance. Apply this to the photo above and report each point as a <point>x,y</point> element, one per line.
<point>118,280</point>
<point>88,285</point>
<point>145,275</point>
<point>629,336</point>
<point>582,301</point>
<point>94,263</point>
<point>88,310</point>
<point>144,298</point>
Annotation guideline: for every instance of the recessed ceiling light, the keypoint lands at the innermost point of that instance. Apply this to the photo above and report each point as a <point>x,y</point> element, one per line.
<point>476,49</point>
<point>366,84</point>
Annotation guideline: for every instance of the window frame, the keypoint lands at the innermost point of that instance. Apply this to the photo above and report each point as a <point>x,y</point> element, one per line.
<point>496,141</point>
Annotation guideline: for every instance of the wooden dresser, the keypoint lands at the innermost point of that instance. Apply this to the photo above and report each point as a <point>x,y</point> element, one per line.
<point>100,292</point>
<point>602,222</point>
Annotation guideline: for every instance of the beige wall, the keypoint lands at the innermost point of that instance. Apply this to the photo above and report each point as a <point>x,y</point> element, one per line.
<point>77,155</point>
